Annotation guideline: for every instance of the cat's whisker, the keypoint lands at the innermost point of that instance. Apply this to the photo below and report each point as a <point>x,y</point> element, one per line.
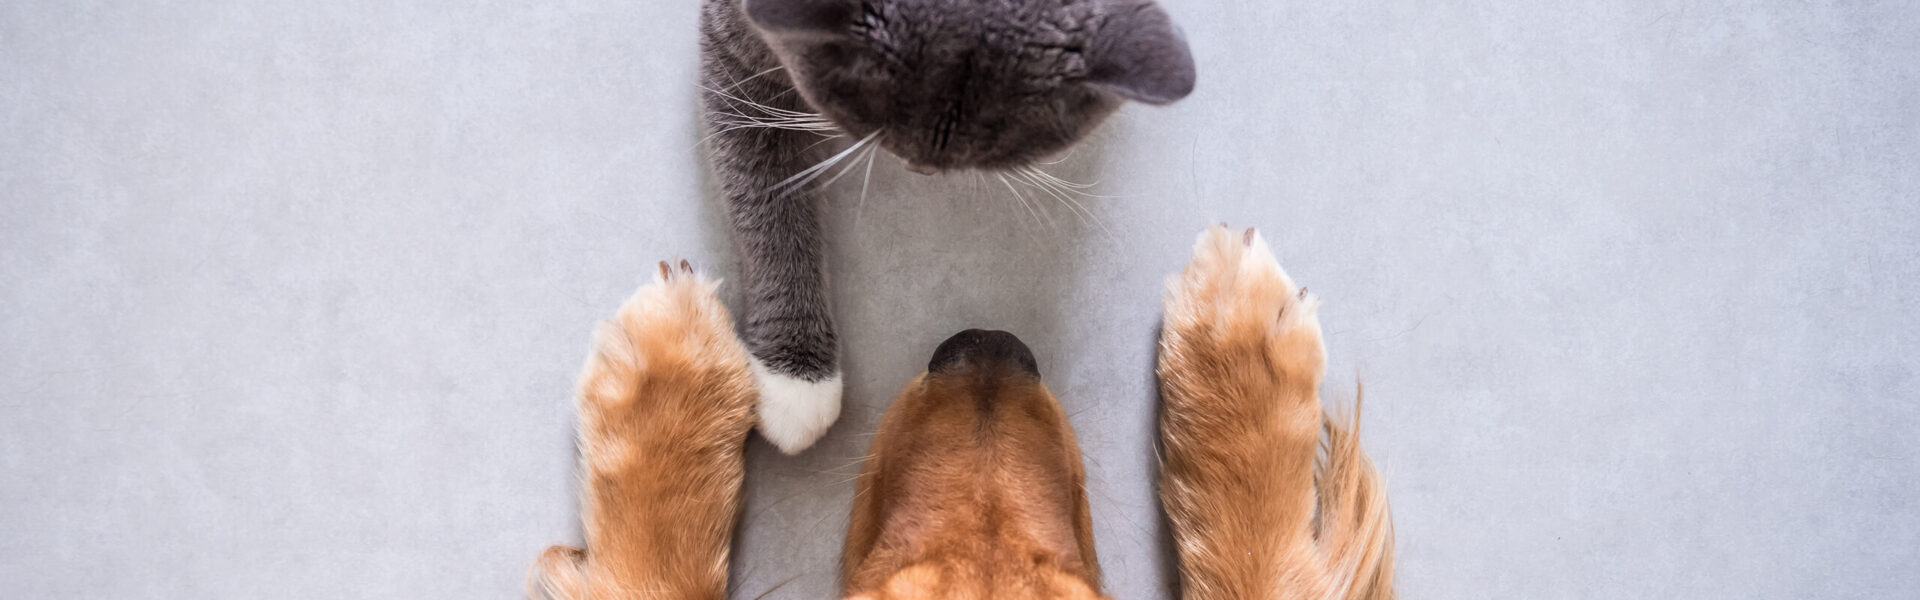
<point>1042,173</point>
<point>736,102</point>
<point>1063,187</point>
<point>825,133</point>
<point>1022,200</point>
<point>1077,189</point>
<point>1066,195</point>
<point>785,119</point>
<point>811,146</point>
<point>1097,221</point>
<point>1016,198</point>
<point>849,168</point>
<point>865,180</point>
<point>790,125</point>
<point>828,133</point>
<point>980,188</point>
<point>1079,212</point>
<point>770,110</point>
<point>737,84</point>
<point>1028,179</point>
<point>1063,157</point>
<point>801,179</point>
<point>800,124</point>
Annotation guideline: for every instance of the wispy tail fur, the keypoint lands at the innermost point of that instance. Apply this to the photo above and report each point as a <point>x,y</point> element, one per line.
<point>1355,526</point>
<point>557,575</point>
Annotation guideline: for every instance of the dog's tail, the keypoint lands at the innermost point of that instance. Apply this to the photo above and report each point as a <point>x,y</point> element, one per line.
<point>558,575</point>
<point>1355,528</point>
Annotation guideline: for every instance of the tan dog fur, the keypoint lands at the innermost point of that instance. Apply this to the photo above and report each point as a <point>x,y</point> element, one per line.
<point>1261,505</point>
<point>666,400</point>
<point>973,488</point>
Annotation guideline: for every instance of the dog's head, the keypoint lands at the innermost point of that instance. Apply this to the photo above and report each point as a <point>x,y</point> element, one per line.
<point>973,487</point>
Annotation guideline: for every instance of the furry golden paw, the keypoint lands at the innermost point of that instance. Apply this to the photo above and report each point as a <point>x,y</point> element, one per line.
<point>1232,297</point>
<point>666,400</point>
<point>672,333</point>
<point>1262,491</point>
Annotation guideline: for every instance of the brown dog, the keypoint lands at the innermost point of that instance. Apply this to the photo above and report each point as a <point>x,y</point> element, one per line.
<point>973,488</point>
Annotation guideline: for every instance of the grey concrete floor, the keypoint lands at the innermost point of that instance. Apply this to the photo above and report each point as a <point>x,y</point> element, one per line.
<point>292,294</point>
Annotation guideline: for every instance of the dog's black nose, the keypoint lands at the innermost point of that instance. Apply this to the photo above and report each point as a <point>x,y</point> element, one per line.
<point>977,349</point>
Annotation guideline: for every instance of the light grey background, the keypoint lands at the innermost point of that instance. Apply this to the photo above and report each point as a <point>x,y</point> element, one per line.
<point>292,293</point>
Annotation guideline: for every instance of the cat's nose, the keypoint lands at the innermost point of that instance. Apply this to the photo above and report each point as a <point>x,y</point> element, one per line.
<point>921,169</point>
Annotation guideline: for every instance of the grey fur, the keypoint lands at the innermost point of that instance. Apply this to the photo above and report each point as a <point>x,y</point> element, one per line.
<point>944,84</point>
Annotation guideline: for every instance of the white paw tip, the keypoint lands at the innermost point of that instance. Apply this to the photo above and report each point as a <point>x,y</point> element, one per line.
<point>794,412</point>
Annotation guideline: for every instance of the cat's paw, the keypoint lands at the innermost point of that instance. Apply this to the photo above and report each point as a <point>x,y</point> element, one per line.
<point>1234,303</point>
<point>795,412</point>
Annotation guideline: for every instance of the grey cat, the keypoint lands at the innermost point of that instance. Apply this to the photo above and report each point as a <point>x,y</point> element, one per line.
<point>943,84</point>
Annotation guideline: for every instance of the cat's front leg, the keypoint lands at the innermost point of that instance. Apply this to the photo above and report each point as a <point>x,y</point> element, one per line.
<point>772,206</point>
<point>788,324</point>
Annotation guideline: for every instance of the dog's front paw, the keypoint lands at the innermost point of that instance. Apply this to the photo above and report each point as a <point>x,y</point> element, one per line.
<point>795,411</point>
<point>1246,446</point>
<point>1234,305</point>
<point>667,367</point>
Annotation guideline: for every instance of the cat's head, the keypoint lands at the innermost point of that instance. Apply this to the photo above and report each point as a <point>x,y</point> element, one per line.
<point>956,84</point>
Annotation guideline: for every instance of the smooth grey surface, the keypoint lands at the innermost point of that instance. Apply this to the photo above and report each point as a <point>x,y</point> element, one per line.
<point>292,294</point>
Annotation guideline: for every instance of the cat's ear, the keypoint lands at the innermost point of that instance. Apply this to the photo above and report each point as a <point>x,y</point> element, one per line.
<point>1140,54</point>
<point>801,17</point>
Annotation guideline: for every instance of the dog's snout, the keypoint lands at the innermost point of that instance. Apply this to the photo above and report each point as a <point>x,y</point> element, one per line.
<point>977,349</point>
